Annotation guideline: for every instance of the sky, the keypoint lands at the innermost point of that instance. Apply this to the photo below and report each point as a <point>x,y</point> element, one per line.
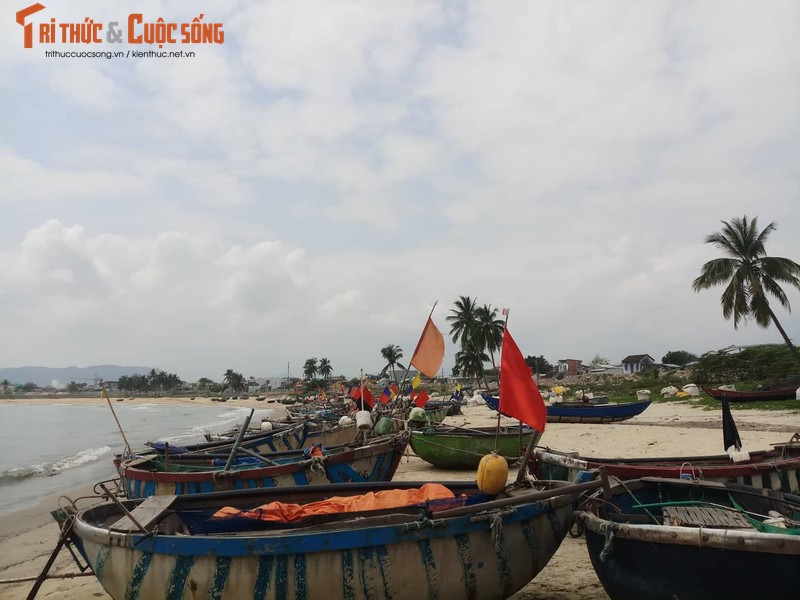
<point>311,186</point>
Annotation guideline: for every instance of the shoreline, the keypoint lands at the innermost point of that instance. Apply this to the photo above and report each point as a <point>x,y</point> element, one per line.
<point>28,537</point>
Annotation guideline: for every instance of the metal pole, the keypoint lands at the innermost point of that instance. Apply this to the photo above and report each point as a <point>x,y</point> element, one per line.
<point>104,394</point>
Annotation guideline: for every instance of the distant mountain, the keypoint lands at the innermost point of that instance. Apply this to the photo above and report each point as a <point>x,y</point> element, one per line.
<point>44,376</point>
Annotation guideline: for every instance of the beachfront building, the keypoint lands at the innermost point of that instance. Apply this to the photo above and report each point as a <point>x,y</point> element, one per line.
<point>568,367</point>
<point>633,363</point>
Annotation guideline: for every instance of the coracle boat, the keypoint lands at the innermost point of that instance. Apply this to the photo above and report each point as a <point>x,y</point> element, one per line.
<point>196,473</point>
<point>585,412</point>
<point>316,433</point>
<point>654,539</point>
<point>461,448</point>
<point>397,540</point>
<point>787,393</point>
<point>777,468</point>
<point>278,439</point>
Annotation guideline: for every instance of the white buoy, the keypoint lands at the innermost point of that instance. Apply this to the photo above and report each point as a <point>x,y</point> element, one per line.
<point>345,421</point>
<point>266,426</point>
<point>364,420</point>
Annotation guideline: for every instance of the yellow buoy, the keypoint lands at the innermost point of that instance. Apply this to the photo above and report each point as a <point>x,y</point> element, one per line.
<point>492,474</point>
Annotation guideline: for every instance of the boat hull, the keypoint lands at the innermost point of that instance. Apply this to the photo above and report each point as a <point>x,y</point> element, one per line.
<point>377,461</point>
<point>453,559</point>
<point>585,412</point>
<point>464,450</point>
<point>777,469</point>
<point>788,393</point>
<point>655,538</point>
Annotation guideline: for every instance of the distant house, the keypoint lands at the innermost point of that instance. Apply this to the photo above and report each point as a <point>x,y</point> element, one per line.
<point>636,362</point>
<point>569,366</point>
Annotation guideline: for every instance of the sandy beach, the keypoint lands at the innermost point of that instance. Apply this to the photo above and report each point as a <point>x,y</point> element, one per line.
<point>27,538</point>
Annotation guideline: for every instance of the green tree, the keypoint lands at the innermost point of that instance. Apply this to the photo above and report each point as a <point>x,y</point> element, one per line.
<point>488,331</point>
<point>749,274</point>
<point>539,364</point>
<point>28,386</point>
<point>310,368</point>
<point>463,319</point>
<point>325,369</point>
<point>203,383</point>
<point>6,384</point>
<point>600,360</point>
<point>678,357</point>
<point>392,355</point>
<point>469,363</point>
<point>234,380</point>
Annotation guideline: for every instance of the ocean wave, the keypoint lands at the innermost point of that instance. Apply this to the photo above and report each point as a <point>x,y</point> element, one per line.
<point>54,468</point>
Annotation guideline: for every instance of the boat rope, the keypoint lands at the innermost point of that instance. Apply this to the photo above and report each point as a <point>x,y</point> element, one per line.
<point>423,522</point>
<point>495,519</point>
<point>692,474</point>
<point>606,551</point>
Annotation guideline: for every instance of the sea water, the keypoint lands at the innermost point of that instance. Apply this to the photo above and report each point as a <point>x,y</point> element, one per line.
<point>51,449</point>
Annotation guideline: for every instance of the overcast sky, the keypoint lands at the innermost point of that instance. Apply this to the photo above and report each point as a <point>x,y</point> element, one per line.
<point>310,187</point>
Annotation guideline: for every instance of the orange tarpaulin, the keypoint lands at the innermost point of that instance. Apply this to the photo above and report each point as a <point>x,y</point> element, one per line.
<point>281,512</point>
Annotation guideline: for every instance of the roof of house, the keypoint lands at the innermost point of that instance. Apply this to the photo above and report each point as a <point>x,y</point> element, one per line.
<point>636,358</point>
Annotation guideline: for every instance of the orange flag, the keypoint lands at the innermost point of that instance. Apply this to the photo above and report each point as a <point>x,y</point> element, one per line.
<point>519,396</point>
<point>429,353</point>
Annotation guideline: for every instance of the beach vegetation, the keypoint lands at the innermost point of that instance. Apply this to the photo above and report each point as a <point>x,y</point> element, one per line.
<point>392,355</point>
<point>678,357</point>
<point>766,364</point>
<point>540,365</point>
<point>310,368</point>
<point>325,368</point>
<point>235,381</point>
<point>750,276</point>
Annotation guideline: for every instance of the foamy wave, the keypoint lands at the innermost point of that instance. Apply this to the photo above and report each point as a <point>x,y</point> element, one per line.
<point>48,469</point>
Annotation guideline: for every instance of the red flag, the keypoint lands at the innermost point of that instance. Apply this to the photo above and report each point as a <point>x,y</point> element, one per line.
<point>429,352</point>
<point>519,396</point>
<point>422,399</point>
<point>369,399</point>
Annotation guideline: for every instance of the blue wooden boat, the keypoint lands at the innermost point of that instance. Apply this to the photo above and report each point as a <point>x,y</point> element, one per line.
<point>659,539</point>
<point>469,546</point>
<point>155,475</point>
<point>278,439</point>
<point>584,412</point>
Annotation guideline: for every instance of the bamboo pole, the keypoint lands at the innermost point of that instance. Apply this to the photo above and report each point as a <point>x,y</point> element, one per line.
<point>104,394</point>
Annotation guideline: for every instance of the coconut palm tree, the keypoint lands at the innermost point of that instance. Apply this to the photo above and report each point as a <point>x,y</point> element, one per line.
<point>463,319</point>
<point>749,274</point>
<point>233,380</point>
<point>310,368</point>
<point>6,384</point>
<point>469,362</point>
<point>325,369</point>
<point>392,355</point>
<point>488,332</point>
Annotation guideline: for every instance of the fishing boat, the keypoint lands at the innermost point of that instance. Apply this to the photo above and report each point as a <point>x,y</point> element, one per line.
<point>777,468</point>
<point>317,433</point>
<point>585,412</point>
<point>786,393</point>
<point>462,448</point>
<point>191,473</point>
<point>424,540</point>
<point>654,539</point>
<point>276,439</point>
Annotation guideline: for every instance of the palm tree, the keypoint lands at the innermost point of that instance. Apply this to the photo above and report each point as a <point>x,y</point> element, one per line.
<point>392,355</point>
<point>234,380</point>
<point>469,362</point>
<point>749,273</point>
<point>6,384</point>
<point>325,369</point>
<point>203,383</point>
<point>310,368</point>
<point>463,318</point>
<point>488,332</point>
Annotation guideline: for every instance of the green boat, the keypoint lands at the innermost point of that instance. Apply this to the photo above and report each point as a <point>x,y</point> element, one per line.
<point>462,448</point>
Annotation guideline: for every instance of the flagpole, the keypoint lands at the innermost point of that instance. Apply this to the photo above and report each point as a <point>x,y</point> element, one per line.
<point>497,430</point>
<point>408,368</point>
<point>361,396</point>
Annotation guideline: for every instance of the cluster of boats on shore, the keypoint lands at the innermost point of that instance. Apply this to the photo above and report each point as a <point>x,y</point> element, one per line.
<point>306,508</point>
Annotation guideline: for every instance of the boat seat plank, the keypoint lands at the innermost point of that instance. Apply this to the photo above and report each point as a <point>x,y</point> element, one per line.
<point>697,516</point>
<point>147,513</point>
